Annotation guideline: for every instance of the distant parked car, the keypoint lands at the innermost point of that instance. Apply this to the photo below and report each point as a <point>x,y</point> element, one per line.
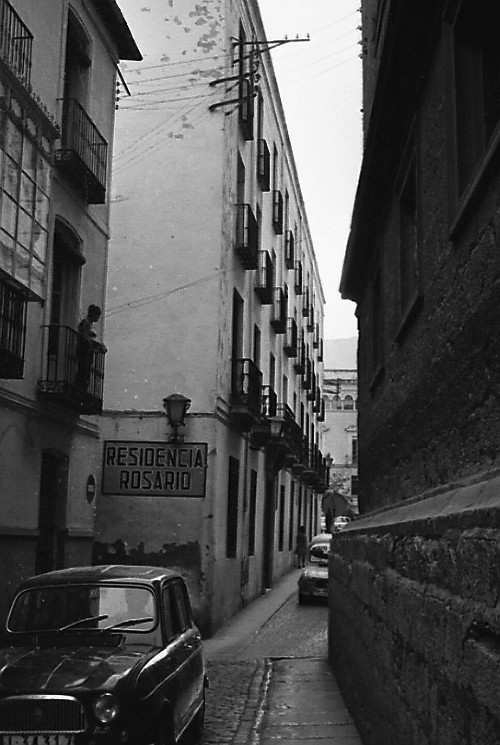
<point>101,655</point>
<point>340,522</point>
<point>313,581</point>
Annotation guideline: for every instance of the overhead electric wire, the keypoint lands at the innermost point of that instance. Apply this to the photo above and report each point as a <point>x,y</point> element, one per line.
<point>147,299</point>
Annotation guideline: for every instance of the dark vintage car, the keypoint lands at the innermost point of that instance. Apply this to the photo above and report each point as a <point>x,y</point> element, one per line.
<point>100,655</point>
<point>313,581</point>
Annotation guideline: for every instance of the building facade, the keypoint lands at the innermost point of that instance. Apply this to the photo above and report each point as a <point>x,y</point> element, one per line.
<point>214,293</point>
<point>414,583</point>
<point>58,68</point>
<point>340,433</point>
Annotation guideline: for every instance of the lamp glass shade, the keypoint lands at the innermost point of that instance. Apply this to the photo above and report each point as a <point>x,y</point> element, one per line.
<point>176,406</point>
<point>276,426</point>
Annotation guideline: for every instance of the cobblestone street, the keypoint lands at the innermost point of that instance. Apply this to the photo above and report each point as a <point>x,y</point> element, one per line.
<point>270,680</point>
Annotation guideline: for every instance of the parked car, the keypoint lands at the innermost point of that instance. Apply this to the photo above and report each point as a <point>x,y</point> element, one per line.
<point>313,581</point>
<point>101,655</point>
<point>341,522</point>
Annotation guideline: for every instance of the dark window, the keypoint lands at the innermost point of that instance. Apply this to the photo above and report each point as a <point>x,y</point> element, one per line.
<point>256,345</point>
<point>354,485</point>
<point>12,331</point>
<point>232,507</point>
<point>477,84</point>
<point>355,450</point>
<point>168,616</point>
<point>281,533</point>
<point>252,513</point>
<point>181,608</point>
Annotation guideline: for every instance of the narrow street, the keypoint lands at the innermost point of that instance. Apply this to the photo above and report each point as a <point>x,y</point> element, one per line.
<point>270,680</point>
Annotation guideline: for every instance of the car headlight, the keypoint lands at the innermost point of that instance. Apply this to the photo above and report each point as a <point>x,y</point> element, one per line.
<point>106,708</point>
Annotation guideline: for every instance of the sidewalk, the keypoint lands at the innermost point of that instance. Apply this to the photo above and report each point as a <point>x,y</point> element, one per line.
<point>240,629</point>
<point>294,701</point>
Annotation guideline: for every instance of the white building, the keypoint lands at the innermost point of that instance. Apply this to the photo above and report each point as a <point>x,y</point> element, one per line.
<point>58,71</point>
<point>214,293</point>
<point>340,428</point>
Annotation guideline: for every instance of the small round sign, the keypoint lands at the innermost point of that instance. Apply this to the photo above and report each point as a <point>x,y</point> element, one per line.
<point>90,490</point>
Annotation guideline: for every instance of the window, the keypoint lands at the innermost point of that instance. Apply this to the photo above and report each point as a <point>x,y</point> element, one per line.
<point>354,449</point>
<point>24,208</point>
<point>348,403</point>
<point>167,613</point>
<point>13,306</point>
<point>232,508</point>
<point>477,84</point>
<point>256,345</point>
<point>181,608</point>
<point>252,513</point>
<point>67,262</point>
<point>354,485</point>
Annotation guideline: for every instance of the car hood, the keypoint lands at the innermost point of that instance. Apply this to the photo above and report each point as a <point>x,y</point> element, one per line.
<point>313,572</point>
<point>50,669</point>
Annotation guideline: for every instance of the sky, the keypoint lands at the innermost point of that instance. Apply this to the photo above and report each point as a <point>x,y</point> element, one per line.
<point>320,87</point>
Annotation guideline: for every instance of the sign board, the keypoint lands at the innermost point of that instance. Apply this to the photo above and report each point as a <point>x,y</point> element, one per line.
<point>154,469</point>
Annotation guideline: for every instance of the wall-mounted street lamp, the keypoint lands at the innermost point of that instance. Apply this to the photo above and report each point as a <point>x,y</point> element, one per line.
<point>176,406</point>
<point>276,424</point>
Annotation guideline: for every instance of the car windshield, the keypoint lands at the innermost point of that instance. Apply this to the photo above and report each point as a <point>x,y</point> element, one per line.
<point>82,607</point>
<point>318,554</point>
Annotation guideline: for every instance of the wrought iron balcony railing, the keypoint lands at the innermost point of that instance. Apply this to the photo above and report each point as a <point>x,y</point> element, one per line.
<point>83,155</point>
<point>246,245</point>
<point>73,374</point>
<point>16,43</point>
<point>263,165</point>
<point>246,393</point>
<point>265,278</point>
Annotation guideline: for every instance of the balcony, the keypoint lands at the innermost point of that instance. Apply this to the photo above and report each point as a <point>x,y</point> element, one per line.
<point>317,401</point>
<point>265,278</point>
<point>310,319</point>
<point>289,249</point>
<point>298,282</point>
<point>13,306</point>
<point>279,310</point>
<point>246,236</point>
<point>307,374</point>
<point>311,391</point>
<point>260,433</point>
<point>290,347</point>
<point>246,108</point>
<point>316,336</point>
<point>277,212</point>
<point>321,413</point>
<point>83,156</point>
<point>74,372</point>
<point>306,303</point>
<point>16,43</point>
<point>246,394</point>
<point>300,361</point>
<point>263,165</point>
<point>321,351</point>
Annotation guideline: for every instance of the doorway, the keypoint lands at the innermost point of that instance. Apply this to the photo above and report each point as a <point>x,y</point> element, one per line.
<point>50,553</point>
<point>268,533</point>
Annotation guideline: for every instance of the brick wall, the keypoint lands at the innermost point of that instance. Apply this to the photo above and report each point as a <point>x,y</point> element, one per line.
<point>414,627</point>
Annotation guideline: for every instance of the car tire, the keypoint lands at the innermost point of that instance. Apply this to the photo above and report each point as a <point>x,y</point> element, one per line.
<point>197,726</point>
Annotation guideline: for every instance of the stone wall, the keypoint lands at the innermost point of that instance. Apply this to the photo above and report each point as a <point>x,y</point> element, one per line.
<point>414,626</point>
